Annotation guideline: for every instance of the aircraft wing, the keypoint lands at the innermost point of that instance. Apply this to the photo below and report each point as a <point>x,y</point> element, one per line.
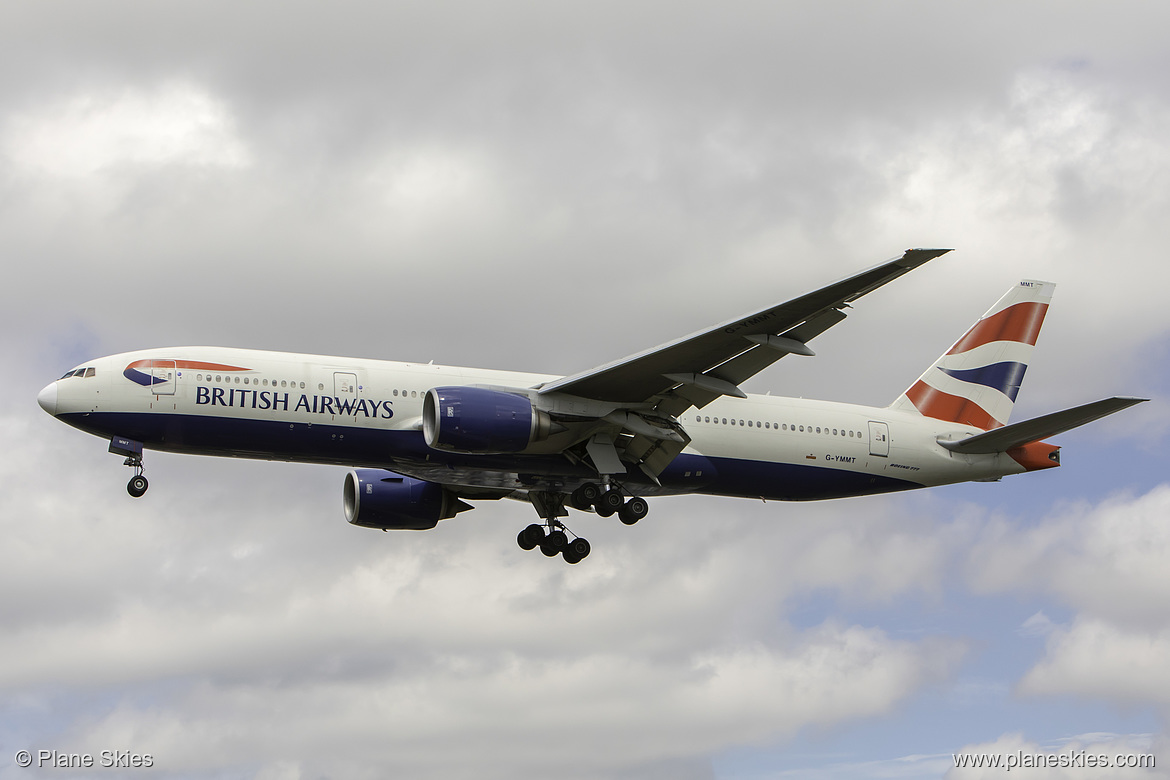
<point>696,369</point>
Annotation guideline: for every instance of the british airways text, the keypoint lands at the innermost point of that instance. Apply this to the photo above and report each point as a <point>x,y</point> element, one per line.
<point>314,404</point>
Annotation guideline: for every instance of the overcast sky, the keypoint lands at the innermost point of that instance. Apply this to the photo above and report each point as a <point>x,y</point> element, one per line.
<point>545,187</point>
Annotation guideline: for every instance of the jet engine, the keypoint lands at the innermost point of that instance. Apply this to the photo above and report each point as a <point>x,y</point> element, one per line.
<point>481,422</point>
<point>375,498</point>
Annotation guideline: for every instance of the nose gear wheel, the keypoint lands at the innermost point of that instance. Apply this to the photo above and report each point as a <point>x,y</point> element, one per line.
<point>137,485</point>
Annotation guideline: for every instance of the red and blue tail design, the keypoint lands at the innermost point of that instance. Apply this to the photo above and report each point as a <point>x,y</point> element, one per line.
<point>976,381</point>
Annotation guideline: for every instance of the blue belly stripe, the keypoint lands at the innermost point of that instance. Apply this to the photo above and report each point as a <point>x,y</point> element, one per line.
<point>407,453</point>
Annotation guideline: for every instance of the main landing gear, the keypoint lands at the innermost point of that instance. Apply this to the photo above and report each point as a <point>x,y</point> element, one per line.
<point>607,502</point>
<point>552,537</point>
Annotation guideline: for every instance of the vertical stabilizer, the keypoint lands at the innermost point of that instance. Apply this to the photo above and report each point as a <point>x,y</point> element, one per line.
<point>976,381</point>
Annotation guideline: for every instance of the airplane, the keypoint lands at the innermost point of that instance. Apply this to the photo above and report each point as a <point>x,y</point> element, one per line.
<point>422,440</point>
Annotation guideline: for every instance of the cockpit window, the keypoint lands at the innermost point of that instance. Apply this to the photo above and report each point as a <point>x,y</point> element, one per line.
<point>79,372</point>
<point>89,372</point>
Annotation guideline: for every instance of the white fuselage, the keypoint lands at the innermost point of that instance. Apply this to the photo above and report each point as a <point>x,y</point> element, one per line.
<point>357,412</point>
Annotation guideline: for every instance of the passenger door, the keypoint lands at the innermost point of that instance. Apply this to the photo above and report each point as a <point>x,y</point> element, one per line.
<point>879,439</point>
<point>162,377</point>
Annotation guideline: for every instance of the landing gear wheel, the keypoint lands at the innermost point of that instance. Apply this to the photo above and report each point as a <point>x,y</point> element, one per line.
<point>531,537</point>
<point>137,486</point>
<point>576,550</point>
<point>611,501</point>
<point>585,496</point>
<point>633,510</point>
<point>554,543</point>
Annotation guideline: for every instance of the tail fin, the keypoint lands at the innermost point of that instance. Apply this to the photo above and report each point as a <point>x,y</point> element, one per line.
<point>976,381</point>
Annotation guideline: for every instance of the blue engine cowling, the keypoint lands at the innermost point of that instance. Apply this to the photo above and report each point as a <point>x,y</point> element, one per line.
<point>479,421</point>
<point>375,498</point>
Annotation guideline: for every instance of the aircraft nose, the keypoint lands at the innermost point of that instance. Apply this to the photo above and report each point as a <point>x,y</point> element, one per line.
<point>47,398</point>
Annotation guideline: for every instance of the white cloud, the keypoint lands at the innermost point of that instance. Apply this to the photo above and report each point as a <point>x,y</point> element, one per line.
<point>1038,625</point>
<point>507,709</point>
<point>1106,560</point>
<point>1100,660</point>
<point>240,622</point>
<point>91,133</point>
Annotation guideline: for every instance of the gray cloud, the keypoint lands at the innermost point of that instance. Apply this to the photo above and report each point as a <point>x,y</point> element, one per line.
<point>548,188</point>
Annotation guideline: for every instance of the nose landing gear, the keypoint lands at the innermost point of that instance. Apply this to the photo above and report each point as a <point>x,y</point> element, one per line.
<point>137,485</point>
<point>132,451</point>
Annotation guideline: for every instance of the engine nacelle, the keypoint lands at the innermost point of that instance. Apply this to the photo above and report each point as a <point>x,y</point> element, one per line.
<point>375,498</point>
<point>481,422</point>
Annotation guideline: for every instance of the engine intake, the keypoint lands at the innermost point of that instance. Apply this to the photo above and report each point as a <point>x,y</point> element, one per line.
<point>479,421</point>
<point>375,498</point>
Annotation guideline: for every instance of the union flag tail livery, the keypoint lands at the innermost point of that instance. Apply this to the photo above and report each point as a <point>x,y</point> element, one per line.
<point>976,381</point>
<point>424,440</point>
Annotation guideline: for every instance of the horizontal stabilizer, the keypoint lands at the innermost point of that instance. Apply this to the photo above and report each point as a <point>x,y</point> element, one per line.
<point>1009,436</point>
